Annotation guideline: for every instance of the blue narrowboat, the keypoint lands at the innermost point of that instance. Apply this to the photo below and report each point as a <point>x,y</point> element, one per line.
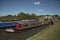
<point>13,23</point>
<point>8,24</point>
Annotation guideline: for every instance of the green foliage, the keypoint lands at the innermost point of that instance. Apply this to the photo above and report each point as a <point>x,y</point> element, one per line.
<point>33,16</point>
<point>56,15</point>
<point>20,16</point>
<point>9,15</point>
<point>8,18</point>
<point>28,16</point>
<point>23,16</point>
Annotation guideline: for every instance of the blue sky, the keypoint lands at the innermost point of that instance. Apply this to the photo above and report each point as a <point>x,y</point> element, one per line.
<point>39,7</point>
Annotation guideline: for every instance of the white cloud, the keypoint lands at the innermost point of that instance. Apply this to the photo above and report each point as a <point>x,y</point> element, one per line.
<point>40,10</point>
<point>37,3</point>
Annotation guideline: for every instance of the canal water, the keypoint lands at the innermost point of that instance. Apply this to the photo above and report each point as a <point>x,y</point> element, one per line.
<point>22,34</point>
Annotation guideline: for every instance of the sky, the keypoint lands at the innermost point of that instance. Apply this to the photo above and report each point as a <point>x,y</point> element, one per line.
<point>39,7</point>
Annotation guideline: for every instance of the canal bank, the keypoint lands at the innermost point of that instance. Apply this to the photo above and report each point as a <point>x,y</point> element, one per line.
<point>50,33</point>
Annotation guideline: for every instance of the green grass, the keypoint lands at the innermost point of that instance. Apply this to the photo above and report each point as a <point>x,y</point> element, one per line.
<point>50,33</point>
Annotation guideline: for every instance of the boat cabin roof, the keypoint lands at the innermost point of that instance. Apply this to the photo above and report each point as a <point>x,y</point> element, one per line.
<point>23,22</point>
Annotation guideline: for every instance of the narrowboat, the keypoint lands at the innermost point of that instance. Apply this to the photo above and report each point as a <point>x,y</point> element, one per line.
<point>8,24</point>
<point>27,24</point>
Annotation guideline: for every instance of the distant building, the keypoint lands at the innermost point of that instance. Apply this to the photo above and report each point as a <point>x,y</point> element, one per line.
<point>49,17</point>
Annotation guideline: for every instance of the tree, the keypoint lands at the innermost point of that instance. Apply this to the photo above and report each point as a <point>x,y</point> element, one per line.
<point>21,16</point>
<point>9,15</point>
<point>56,15</point>
<point>33,16</point>
<point>28,16</point>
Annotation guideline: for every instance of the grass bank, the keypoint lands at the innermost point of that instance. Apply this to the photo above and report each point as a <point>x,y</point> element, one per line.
<point>50,33</point>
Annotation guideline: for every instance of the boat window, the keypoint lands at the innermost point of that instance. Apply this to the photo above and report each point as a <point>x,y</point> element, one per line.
<point>26,24</point>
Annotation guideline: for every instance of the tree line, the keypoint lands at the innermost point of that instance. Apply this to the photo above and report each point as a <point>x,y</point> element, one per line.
<point>19,16</point>
<point>22,16</point>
